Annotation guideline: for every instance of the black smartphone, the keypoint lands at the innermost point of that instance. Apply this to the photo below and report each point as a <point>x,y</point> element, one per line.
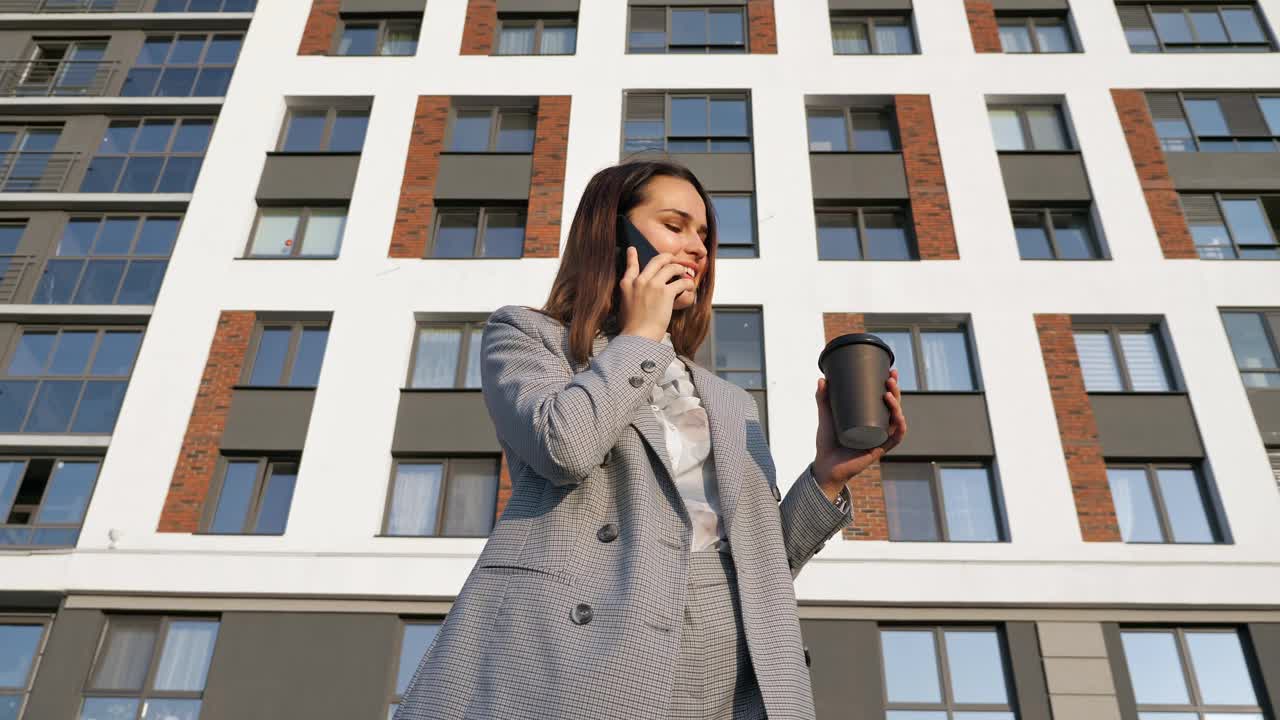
<point>629,234</point>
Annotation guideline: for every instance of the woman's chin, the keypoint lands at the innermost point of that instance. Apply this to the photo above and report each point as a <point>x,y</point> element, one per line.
<point>685,300</point>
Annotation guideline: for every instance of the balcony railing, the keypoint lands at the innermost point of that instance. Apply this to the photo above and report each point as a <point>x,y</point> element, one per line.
<point>35,171</point>
<point>12,270</point>
<point>55,78</point>
<point>69,6</point>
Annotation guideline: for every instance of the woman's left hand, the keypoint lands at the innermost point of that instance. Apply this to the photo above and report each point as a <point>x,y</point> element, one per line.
<point>834,465</point>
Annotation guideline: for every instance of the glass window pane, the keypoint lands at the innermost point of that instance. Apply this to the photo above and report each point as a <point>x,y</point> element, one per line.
<point>180,175</point>
<point>18,397</point>
<point>10,478</point>
<point>72,353</point>
<point>305,132</point>
<point>276,234</point>
<point>415,499</point>
<point>1249,342</point>
<point>223,50</point>
<point>1073,233</point>
<point>886,236</point>
<point>1243,27</point>
<point>516,40</point>
<point>58,281</point>
<point>472,379</point>
<point>904,357</point>
<point>456,236</point>
<point>738,341</point>
<point>309,357</point>
<point>32,354</point>
<point>909,502</point>
<point>99,407</point>
<point>688,26</point>
<point>18,646</point>
<point>726,27</point>
<point>872,132</point>
<point>946,360</point>
<point>68,494</point>
<point>1208,26</point>
<point>910,666</point>
<point>158,236</point>
<point>1206,117</point>
<point>471,131</point>
<point>1135,508</point>
<point>515,132</point>
<point>142,282</point>
<point>1033,239</point>
<point>1184,505</point>
<point>170,709</point>
<point>503,235</point>
<point>917,715</point>
<point>850,38</point>
<point>401,40</point>
<point>827,132</point>
<point>1047,131</point>
<point>838,237</point>
<point>1007,129</point>
<point>417,638</point>
<point>689,116</point>
<point>1154,668</point>
<point>967,503</point>
<point>358,40</point>
<point>436,358</point>
<point>184,662</point>
<point>1145,361</point>
<point>109,709</point>
<point>125,657</point>
<point>893,38</point>
<point>273,513</point>
<point>77,239</point>
<point>116,353</point>
<point>1220,667</point>
<point>728,117</point>
<point>349,129</point>
<point>471,498</point>
<point>561,40</point>
<point>53,406</point>
<point>99,283</point>
<point>193,136</point>
<point>976,666</point>
<point>1172,25</point>
<point>235,497</point>
<point>116,237</point>
<point>324,232</point>
<point>268,363</point>
<point>176,82</point>
<point>734,219</point>
<point>1098,362</point>
<point>1016,38</point>
<point>1053,37</point>
<point>1248,223</point>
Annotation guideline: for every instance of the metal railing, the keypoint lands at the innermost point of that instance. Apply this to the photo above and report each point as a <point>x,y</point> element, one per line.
<point>12,270</point>
<point>70,6</point>
<point>55,78</point>
<point>27,171</point>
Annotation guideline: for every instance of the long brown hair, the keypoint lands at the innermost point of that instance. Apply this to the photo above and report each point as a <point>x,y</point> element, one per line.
<point>585,295</point>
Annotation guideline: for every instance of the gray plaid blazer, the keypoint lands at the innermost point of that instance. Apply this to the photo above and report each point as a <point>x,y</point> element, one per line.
<point>574,607</point>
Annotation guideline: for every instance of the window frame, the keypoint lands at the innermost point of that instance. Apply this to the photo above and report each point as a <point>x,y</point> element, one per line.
<point>860,211</point>
<point>12,178</point>
<point>848,113</point>
<point>331,113</point>
<point>1196,46</point>
<point>942,667</point>
<point>1046,214</point>
<point>199,65</point>
<point>707,49</point>
<point>1029,21</point>
<point>539,24</point>
<point>869,20</point>
<point>916,328</point>
<point>383,26</point>
<point>936,466</point>
<point>266,465</point>
<point>1024,126</point>
<point>667,96</point>
<point>482,224</point>
<point>1236,247</point>
<point>1270,320</point>
<point>161,625</point>
<point>398,649</point>
<point>45,622</point>
<point>1151,470</point>
<point>296,327</point>
<point>304,221</point>
<point>496,114</point>
<point>129,259</point>
<point>447,475</point>
<point>754,247</point>
<point>466,327</point>
<point>1183,96</point>
<point>1114,330</point>
<point>33,525</point>
<point>179,121</point>
<point>1189,676</point>
<point>705,355</point>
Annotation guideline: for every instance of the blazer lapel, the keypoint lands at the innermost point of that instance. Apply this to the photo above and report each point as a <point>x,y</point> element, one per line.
<point>728,438</point>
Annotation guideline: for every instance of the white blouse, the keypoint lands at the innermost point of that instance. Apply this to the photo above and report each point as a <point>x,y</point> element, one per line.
<point>675,402</point>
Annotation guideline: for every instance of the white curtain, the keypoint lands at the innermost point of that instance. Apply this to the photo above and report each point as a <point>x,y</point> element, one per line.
<point>946,361</point>
<point>472,498</point>
<point>1097,362</point>
<point>415,499</point>
<point>184,662</point>
<point>851,39</point>
<point>124,666</point>
<point>558,40</point>
<point>437,357</point>
<point>516,41</point>
<point>324,233</point>
<point>1146,367</point>
<point>473,359</point>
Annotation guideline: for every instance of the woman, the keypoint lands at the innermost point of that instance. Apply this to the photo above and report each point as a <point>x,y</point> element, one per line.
<point>643,566</point>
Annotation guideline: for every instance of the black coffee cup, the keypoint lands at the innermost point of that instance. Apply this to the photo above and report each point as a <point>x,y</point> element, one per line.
<point>856,366</point>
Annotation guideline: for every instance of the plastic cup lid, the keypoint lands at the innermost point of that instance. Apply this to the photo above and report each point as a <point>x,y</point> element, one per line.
<point>851,339</point>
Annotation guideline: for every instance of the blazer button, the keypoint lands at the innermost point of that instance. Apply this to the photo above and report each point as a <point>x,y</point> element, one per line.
<point>607,533</point>
<point>581,614</point>
<point>777,495</point>
<point>648,365</point>
<point>636,381</point>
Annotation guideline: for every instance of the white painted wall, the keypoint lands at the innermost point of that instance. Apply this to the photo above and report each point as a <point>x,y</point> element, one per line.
<point>330,546</point>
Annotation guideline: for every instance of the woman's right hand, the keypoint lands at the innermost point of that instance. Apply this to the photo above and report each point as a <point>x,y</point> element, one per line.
<point>647,296</point>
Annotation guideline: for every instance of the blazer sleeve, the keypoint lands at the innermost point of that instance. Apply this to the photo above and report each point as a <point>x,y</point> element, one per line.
<point>562,424</point>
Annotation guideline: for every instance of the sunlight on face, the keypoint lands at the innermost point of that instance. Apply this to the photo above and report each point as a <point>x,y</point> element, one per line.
<point>673,219</point>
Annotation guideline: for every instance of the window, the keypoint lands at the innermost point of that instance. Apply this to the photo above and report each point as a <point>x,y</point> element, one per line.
<point>1192,672</point>
<point>1253,338</point>
<point>940,502</point>
<point>886,34</point>
<point>687,30</point>
<point>183,65</point>
<point>1057,233</point>
<point>1121,358</point>
<point>379,37</point>
<point>324,130</point>
<point>930,357</point>
<point>205,5</point>
<point>851,129</point>
<point>1220,122</point>
<point>1029,127</point>
<point>479,232</point>
<point>67,379</point>
<point>43,500</point>
<point>1200,27</point>
<point>109,260</point>
<point>1230,226</point>
<point>156,664</point>
<point>444,497</point>
<point>932,673</point>
<point>21,644</point>
<point>1035,34</point>
<point>864,233</point>
<point>61,67</point>
<point>735,224</point>
<point>150,155</point>
<point>1161,503</point>
<point>252,496</point>
<point>298,232</point>
<point>415,637</point>
<point>687,123</point>
<point>12,265</point>
<point>496,129</point>
<point>734,349</point>
<point>28,162</point>
<point>537,36</point>
<point>447,356</point>
<point>288,354</point>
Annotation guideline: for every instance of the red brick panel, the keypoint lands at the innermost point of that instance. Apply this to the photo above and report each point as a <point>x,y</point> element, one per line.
<point>926,185</point>
<point>1078,430</point>
<point>546,190</point>
<point>762,37</point>
<point>417,189</point>
<point>199,455</point>
<point>322,23</point>
<point>480,27</point>
<point>982,26</point>
<point>1153,172</point>
<point>504,487</point>
<point>870,521</point>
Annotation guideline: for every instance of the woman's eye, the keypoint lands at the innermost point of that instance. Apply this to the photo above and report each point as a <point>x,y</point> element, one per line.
<point>673,228</point>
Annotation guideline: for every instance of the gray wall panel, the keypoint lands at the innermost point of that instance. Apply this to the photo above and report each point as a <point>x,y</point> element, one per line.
<point>64,669</point>
<point>539,6</point>
<point>1212,171</point>
<point>38,241</point>
<point>1266,411</point>
<point>762,406</point>
<point>264,419</point>
<point>946,424</point>
<point>1146,425</point>
<point>383,7</point>
<point>1032,5</point>
<point>81,134</point>
<point>318,666</point>
<point>8,336</point>
<point>869,4</point>
<point>1028,671</point>
<point>858,176</point>
<point>1120,672</point>
<point>482,176</point>
<point>1036,177</point>
<point>1266,645</point>
<point>720,172</point>
<point>443,422</point>
<point>845,668</point>
<point>306,177</point>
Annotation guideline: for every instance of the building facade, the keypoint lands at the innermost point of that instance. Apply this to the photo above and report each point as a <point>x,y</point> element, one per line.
<point>246,254</point>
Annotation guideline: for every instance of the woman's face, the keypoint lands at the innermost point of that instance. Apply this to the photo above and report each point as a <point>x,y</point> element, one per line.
<point>673,219</point>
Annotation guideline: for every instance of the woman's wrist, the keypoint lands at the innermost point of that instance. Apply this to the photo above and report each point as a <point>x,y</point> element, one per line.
<point>829,486</point>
